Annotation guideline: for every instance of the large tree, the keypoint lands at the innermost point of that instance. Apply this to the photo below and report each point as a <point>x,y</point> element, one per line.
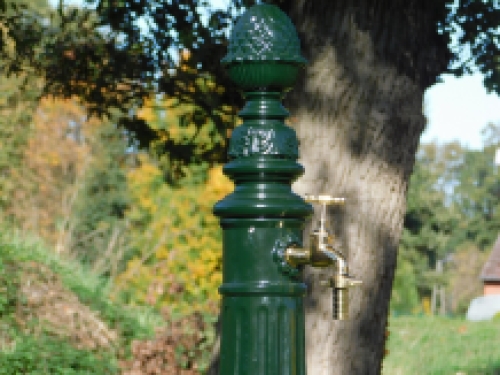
<point>359,117</point>
<point>357,111</point>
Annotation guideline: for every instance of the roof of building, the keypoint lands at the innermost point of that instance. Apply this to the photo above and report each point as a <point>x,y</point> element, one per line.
<point>491,269</point>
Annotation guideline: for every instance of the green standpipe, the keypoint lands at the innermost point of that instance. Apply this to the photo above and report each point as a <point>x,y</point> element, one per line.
<point>262,293</point>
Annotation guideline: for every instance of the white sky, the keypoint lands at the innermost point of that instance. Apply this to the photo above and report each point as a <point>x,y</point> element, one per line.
<point>458,109</point>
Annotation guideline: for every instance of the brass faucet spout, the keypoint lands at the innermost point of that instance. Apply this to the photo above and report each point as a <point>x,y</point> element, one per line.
<point>322,253</point>
<point>337,257</point>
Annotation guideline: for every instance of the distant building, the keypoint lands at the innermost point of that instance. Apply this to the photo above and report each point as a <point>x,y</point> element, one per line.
<point>490,275</point>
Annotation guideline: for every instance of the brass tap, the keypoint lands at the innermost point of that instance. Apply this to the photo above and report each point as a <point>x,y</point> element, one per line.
<point>323,253</point>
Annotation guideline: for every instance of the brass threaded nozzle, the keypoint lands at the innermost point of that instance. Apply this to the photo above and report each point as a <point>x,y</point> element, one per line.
<point>340,308</point>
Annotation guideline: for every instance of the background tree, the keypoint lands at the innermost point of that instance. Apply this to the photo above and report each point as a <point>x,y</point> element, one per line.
<point>17,105</point>
<point>98,228</point>
<point>463,281</point>
<point>452,215</point>
<point>184,138</point>
<point>16,108</point>
<point>114,55</point>
<point>69,184</point>
<point>429,223</point>
<point>477,196</point>
<point>50,169</point>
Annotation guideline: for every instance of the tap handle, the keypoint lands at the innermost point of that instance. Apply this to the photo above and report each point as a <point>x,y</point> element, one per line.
<point>324,200</point>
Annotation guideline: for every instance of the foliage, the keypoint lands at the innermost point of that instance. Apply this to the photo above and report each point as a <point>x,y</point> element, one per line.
<point>405,298</point>
<point>477,197</point>
<point>429,226</point>
<point>18,98</point>
<point>475,24</point>
<point>442,346</point>
<point>184,134</point>
<point>9,281</point>
<point>70,184</point>
<point>113,55</point>
<point>27,264</point>
<point>430,221</point>
<point>177,241</point>
<point>68,46</point>
<point>464,270</point>
<point>98,227</point>
<point>181,348</point>
<point>47,355</point>
<point>452,215</point>
<point>16,108</point>
<point>53,160</point>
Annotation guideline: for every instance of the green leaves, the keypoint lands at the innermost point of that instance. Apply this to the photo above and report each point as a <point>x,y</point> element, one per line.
<point>453,202</point>
<point>474,23</point>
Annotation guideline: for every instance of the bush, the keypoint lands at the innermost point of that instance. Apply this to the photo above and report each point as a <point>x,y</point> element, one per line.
<point>496,317</point>
<point>464,283</point>
<point>182,348</point>
<point>9,284</point>
<point>404,298</point>
<point>177,241</point>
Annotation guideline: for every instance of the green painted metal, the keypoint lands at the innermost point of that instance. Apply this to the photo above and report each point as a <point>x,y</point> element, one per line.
<point>262,305</point>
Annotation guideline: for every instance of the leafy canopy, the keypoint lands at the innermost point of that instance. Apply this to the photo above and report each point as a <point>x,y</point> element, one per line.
<point>115,53</point>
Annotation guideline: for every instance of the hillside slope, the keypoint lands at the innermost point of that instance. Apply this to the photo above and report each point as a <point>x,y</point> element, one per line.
<point>57,318</point>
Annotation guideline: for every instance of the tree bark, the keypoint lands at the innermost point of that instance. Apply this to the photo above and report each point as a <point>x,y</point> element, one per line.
<point>358,114</point>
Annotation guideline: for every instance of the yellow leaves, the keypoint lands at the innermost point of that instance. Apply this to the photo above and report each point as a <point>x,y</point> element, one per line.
<point>146,114</point>
<point>146,173</point>
<point>178,241</point>
<point>218,184</point>
<point>211,85</point>
<point>185,54</point>
<point>197,270</point>
<point>174,132</point>
<point>162,253</point>
<point>53,158</point>
<point>147,177</point>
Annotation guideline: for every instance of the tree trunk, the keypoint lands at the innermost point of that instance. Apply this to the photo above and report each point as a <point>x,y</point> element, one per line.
<point>358,114</point>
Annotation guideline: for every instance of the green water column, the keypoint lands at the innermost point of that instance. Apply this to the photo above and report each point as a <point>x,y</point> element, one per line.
<point>262,304</point>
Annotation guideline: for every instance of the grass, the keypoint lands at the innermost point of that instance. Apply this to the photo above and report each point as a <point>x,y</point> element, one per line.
<point>27,347</point>
<point>442,346</point>
<point>91,289</point>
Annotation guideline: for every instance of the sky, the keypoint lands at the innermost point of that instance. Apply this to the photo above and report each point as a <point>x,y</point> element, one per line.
<point>458,109</point>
